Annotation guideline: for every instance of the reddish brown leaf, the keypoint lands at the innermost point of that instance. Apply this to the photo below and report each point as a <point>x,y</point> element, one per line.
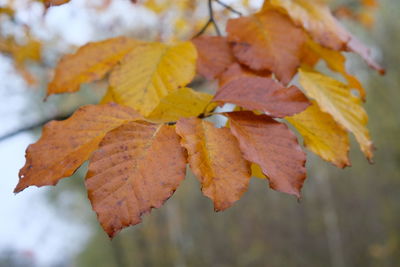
<point>50,3</point>
<point>267,41</point>
<point>216,160</point>
<point>65,145</point>
<point>236,70</point>
<point>263,94</point>
<point>316,18</point>
<point>137,167</point>
<point>214,55</point>
<point>274,147</point>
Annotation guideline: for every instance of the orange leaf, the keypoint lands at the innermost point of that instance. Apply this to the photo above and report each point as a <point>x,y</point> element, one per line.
<point>50,3</point>
<point>316,18</point>
<point>214,55</point>
<point>267,41</point>
<point>65,145</point>
<point>137,167</point>
<point>263,94</point>
<point>274,147</point>
<point>90,63</point>
<point>216,160</point>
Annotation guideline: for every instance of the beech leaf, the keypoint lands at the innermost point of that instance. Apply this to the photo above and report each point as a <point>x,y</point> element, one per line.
<point>272,146</point>
<point>335,98</point>
<point>214,55</point>
<point>65,145</point>
<point>215,158</point>
<point>322,135</point>
<point>152,71</point>
<point>316,18</point>
<point>137,167</point>
<point>263,94</point>
<point>90,63</point>
<point>267,41</point>
<point>237,70</point>
<point>183,103</point>
<point>337,62</point>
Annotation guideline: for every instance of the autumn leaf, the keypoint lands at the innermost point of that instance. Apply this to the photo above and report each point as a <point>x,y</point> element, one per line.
<point>150,72</point>
<point>214,55</point>
<point>322,135</point>
<point>273,146</point>
<point>267,41</point>
<point>50,3</point>
<point>65,145</point>
<point>256,171</point>
<point>263,94</point>
<point>90,63</point>
<point>183,103</point>
<point>137,167</point>
<point>336,62</point>
<point>216,160</point>
<point>108,97</point>
<point>316,18</point>
<point>335,98</point>
<point>237,70</point>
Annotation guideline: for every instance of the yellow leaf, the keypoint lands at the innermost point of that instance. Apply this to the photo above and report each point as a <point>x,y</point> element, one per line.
<point>152,71</point>
<point>108,97</point>
<point>335,98</point>
<point>256,171</point>
<point>183,103</point>
<point>31,50</point>
<point>336,62</point>
<point>322,135</point>
<point>90,63</point>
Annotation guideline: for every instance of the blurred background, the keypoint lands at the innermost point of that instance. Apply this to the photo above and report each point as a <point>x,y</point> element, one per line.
<point>347,217</point>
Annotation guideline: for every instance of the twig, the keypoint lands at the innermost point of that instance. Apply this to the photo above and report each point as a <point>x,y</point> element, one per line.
<point>211,14</point>
<point>203,29</point>
<point>230,8</point>
<point>211,20</point>
<point>32,126</point>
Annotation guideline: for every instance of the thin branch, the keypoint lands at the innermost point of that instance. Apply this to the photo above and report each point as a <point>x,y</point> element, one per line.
<point>211,14</point>
<point>203,29</point>
<point>33,126</point>
<point>230,8</point>
<point>211,20</point>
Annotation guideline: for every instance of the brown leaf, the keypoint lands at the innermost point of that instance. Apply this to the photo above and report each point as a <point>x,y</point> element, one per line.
<point>65,145</point>
<point>214,55</point>
<point>274,147</point>
<point>316,18</point>
<point>237,70</point>
<point>137,167</point>
<point>90,63</point>
<point>263,94</point>
<point>216,160</point>
<point>267,41</point>
<point>50,3</point>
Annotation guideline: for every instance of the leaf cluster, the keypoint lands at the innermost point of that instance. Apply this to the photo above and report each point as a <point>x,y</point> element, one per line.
<point>150,124</point>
